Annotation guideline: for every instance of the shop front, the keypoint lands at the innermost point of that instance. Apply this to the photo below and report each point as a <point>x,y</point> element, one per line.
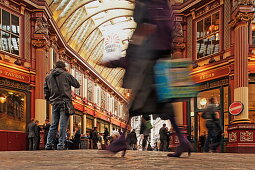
<point>211,83</point>
<point>14,107</point>
<point>219,90</point>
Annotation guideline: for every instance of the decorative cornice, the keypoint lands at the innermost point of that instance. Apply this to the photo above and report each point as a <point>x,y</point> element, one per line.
<point>53,39</point>
<point>40,43</point>
<point>14,84</point>
<point>242,16</point>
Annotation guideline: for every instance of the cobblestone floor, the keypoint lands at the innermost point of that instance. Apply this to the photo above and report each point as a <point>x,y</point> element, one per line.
<point>96,160</point>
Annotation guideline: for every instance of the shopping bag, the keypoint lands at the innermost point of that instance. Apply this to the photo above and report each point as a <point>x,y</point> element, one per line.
<point>173,80</point>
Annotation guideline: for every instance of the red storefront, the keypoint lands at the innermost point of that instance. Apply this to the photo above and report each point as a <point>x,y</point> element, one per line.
<point>15,105</point>
<point>219,37</point>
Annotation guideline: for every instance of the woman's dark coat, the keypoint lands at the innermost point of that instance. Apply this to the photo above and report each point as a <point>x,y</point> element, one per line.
<point>140,60</point>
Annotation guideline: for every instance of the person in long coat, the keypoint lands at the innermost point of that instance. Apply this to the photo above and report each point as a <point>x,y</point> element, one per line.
<point>133,139</point>
<point>151,41</point>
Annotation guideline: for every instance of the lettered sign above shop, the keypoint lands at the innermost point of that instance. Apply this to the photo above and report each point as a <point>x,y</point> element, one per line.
<point>212,74</point>
<point>14,74</point>
<point>236,108</point>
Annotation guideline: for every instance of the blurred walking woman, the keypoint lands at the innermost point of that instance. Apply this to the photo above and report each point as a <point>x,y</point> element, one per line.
<point>151,41</point>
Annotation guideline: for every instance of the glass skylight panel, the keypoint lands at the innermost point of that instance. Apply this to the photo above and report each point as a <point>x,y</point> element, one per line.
<point>62,4</point>
<point>76,19</point>
<point>67,8</point>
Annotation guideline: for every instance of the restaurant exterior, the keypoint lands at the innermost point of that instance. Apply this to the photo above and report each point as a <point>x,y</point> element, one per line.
<point>219,37</point>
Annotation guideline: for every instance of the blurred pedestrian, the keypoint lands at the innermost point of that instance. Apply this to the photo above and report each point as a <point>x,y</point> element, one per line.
<point>152,40</point>
<point>202,139</point>
<point>213,126</point>
<point>145,130</point>
<point>115,134</point>
<point>31,134</point>
<point>46,128</point>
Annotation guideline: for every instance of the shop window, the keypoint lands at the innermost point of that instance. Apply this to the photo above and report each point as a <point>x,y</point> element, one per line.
<point>226,99</point>
<point>251,97</point>
<point>103,98</point>
<point>208,37</point>
<point>78,76</point>
<point>116,107</point>
<point>77,119</point>
<point>90,90</point>
<point>89,123</point>
<point>107,102</point>
<point>12,110</point>
<point>9,32</point>
<point>202,99</point>
<point>252,116</point>
<point>102,126</point>
<point>98,96</point>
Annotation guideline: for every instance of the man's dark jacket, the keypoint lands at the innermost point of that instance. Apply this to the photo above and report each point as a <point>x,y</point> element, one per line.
<point>65,80</point>
<point>46,128</point>
<point>163,133</point>
<point>31,129</point>
<point>37,131</point>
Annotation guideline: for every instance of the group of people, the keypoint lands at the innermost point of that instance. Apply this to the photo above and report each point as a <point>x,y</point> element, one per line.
<point>101,141</point>
<point>164,138</point>
<point>34,130</point>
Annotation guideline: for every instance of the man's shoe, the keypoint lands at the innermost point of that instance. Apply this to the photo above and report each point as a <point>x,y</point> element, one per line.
<point>48,148</point>
<point>61,148</point>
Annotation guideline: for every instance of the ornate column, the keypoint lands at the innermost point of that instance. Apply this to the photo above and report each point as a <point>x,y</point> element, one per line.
<point>41,43</point>
<point>241,131</point>
<point>84,117</point>
<point>95,122</point>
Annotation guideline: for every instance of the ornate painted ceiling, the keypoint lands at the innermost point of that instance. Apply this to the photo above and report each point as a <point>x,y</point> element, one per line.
<point>83,24</point>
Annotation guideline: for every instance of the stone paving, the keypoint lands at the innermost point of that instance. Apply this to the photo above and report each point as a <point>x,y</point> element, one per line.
<point>97,160</point>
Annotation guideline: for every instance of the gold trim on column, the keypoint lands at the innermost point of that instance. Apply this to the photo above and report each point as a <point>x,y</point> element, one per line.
<point>240,121</point>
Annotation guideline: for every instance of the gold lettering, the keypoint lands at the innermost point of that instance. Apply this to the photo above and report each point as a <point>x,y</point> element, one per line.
<point>205,76</point>
<point>9,74</point>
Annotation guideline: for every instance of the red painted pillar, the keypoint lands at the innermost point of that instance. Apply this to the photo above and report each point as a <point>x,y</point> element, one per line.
<point>241,131</point>
<point>41,43</point>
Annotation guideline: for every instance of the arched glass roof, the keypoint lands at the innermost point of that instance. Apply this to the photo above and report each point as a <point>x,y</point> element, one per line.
<point>83,24</point>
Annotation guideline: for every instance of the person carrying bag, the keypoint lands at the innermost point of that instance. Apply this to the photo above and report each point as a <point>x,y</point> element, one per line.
<point>57,90</point>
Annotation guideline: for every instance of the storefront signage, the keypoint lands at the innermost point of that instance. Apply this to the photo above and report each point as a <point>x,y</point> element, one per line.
<point>213,84</point>
<point>210,75</point>
<point>206,76</point>
<point>236,108</point>
<point>14,75</point>
<point>102,116</point>
<point>114,121</point>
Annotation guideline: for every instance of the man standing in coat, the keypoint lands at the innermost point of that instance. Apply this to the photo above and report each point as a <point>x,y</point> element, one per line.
<point>37,135</point>
<point>163,138</point>
<point>46,128</point>
<point>31,134</point>
<point>133,140</point>
<point>57,90</point>
<point>95,138</point>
